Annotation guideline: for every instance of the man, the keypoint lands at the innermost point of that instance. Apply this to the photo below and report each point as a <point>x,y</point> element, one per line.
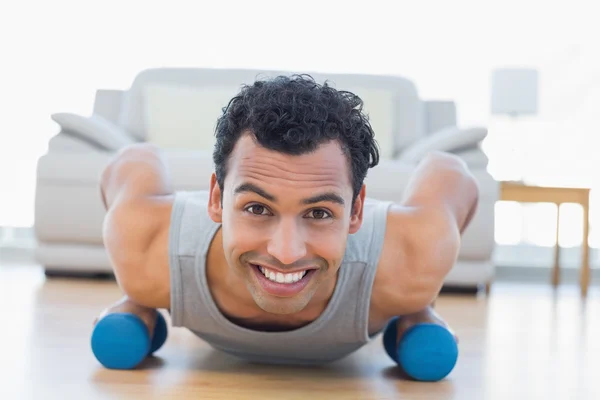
<point>285,258</point>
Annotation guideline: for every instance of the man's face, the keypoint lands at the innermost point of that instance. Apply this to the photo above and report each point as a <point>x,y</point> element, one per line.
<point>285,221</point>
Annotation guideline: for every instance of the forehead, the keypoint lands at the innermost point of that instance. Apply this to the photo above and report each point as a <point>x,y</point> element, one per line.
<point>326,166</point>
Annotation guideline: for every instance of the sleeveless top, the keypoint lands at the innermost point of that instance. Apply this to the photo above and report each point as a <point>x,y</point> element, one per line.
<point>341,329</point>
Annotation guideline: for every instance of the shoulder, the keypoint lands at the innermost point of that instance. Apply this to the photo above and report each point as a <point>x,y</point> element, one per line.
<point>419,247</point>
<point>366,244</point>
<point>191,227</point>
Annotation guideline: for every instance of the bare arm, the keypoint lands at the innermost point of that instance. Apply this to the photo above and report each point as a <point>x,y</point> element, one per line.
<point>423,235</point>
<point>443,184</point>
<point>136,192</point>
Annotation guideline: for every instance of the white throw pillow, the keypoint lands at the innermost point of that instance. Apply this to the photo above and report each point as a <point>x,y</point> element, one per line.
<point>474,157</point>
<point>180,117</point>
<point>95,130</point>
<point>450,139</point>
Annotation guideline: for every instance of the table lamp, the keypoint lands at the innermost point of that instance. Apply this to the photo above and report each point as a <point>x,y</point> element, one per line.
<point>514,91</point>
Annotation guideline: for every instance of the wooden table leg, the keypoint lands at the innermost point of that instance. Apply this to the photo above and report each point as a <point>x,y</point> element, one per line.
<point>585,263</point>
<point>488,287</point>
<point>556,268</point>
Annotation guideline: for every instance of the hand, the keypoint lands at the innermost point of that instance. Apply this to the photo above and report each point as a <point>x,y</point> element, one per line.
<point>147,315</point>
<point>428,315</point>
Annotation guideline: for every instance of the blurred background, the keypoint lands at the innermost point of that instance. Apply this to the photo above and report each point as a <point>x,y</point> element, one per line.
<point>56,54</point>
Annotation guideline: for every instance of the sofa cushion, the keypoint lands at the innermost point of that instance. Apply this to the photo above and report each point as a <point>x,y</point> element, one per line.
<point>189,169</point>
<point>379,106</point>
<point>132,115</point>
<point>184,117</point>
<point>66,143</point>
<point>73,257</point>
<point>393,101</point>
<point>72,168</point>
<point>178,116</point>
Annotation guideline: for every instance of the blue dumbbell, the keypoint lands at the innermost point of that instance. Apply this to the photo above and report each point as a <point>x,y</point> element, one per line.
<point>426,352</point>
<point>122,340</point>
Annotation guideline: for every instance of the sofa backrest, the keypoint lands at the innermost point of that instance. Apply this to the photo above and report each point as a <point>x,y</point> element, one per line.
<point>396,113</point>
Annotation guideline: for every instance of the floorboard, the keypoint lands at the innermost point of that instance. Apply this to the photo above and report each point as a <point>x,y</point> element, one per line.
<point>522,342</point>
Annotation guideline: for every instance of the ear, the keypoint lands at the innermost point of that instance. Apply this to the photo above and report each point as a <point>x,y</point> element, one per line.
<point>356,217</point>
<point>215,211</point>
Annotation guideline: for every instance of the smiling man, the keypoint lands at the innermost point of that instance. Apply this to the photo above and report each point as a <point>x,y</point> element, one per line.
<point>285,259</point>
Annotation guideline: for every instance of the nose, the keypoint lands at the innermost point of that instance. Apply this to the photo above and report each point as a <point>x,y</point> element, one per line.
<point>287,243</point>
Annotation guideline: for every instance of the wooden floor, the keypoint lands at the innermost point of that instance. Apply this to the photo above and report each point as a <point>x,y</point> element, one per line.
<point>523,342</point>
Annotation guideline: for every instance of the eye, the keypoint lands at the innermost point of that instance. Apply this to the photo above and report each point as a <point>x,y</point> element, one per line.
<point>257,209</point>
<point>320,214</point>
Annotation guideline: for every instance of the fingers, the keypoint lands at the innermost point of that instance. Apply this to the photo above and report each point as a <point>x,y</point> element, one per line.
<point>147,315</point>
<point>428,315</point>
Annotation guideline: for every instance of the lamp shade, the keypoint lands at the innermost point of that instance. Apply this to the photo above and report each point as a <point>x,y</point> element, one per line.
<point>514,91</point>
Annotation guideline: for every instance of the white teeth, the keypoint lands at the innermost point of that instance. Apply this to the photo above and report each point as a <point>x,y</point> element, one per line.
<point>281,277</point>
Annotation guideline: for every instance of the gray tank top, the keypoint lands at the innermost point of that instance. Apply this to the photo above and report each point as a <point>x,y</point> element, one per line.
<point>341,329</point>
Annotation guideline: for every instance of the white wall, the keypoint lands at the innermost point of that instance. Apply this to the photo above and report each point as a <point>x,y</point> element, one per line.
<point>55,54</point>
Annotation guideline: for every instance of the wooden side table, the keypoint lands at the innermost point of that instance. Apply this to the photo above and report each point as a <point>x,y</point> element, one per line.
<point>513,191</point>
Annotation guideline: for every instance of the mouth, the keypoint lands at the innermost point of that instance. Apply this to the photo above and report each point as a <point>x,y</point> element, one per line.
<point>280,284</point>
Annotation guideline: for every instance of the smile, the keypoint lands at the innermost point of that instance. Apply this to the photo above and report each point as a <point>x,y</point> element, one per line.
<point>280,277</point>
<point>280,284</point>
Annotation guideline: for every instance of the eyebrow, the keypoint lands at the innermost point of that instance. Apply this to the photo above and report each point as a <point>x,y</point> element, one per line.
<point>323,197</point>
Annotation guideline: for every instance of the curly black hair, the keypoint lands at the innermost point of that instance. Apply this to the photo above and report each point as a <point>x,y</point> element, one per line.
<point>295,115</point>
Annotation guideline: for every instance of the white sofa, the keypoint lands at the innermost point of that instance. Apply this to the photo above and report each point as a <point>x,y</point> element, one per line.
<point>68,209</point>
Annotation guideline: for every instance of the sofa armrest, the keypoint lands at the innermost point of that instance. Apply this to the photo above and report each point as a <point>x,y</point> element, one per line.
<point>95,130</point>
<point>450,140</point>
<point>107,104</point>
<point>439,114</point>
<point>474,157</point>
